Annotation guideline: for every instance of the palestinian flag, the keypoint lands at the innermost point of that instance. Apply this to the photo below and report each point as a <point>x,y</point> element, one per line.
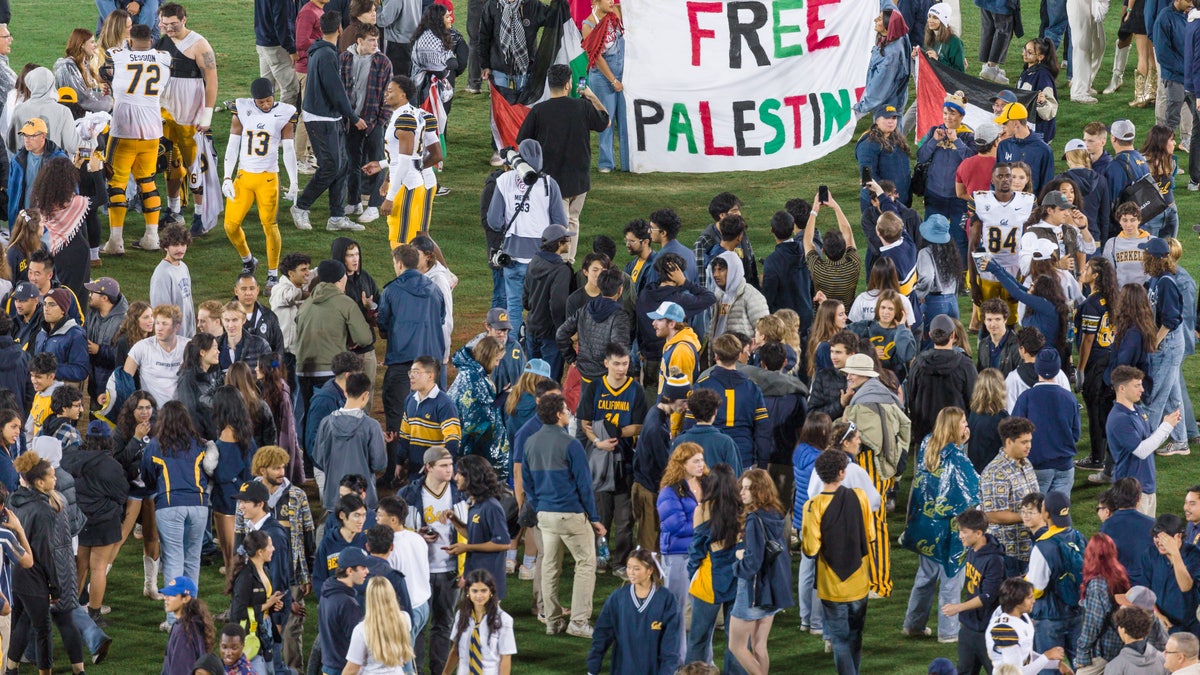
<point>935,80</point>
<point>560,42</point>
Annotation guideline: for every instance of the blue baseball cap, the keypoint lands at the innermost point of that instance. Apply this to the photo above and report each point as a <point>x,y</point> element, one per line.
<point>537,367</point>
<point>180,586</point>
<point>352,557</point>
<point>1156,247</point>
<point>668,310</point>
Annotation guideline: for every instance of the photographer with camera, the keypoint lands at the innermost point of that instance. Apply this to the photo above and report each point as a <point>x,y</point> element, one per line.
<point>563,125</point>
<point>525,202</point>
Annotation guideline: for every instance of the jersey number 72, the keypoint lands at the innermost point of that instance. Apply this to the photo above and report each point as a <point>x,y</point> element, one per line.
<point>153,75</point>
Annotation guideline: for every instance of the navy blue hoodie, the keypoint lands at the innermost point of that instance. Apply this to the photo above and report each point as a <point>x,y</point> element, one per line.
<point>337,615</point>
<point>1093,190</point>
<point>787,282</point>
<point>324,93</point>
<point>983,574</point>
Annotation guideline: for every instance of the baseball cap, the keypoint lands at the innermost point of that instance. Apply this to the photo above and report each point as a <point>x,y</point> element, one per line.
<point>668,310</point>
<point>537,367</point>
<point>1047,363</point>
<point>26,291</point>
<point>1141,597</point>
<point>554,232</point>
<point>1005,95</point>
<point>1074,144</point>
<point>1156,247</point>
<point>1123,130</point>
<point>105,286</point>
<point>942,323</point>
<point>1012,111</point>
<point>262,88</point>
<point>435,454</point>
<point>498,318</point>
<point>1058,505</point>
<point>34,126</point>
<point>352,556</point>
<point>1057,200</point>
<point>67,95</point>
<point>99,428</point>
<point>888,111</point>
<point>986,133</point>
<point>1044,249</point>
<point>254,491</point>
<point>179,586</point>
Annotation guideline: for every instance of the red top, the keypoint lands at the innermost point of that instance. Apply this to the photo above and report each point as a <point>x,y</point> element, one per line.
<point>975,173</point>
<point>308,31</point>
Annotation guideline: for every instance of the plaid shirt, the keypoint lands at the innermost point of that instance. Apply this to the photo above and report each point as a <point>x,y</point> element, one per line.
<point>1002,485</point>
<point>375,113</point>
<point>293,513</point>
<point>1097,636</point>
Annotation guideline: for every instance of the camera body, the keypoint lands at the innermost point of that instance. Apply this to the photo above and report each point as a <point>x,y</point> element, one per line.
<point>514,159</point>
<point>500,259</point>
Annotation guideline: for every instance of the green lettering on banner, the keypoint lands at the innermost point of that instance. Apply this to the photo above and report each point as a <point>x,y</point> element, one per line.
<point>836,111</point>
<point>766,113</point>
<point>680,124</point>
<point>777,9</point>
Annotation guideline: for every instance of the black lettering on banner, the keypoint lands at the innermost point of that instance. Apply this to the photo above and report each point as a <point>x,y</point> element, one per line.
<point>645,113</point>
<point>816,118</point>
<point>741,127</point>
<point>748,32</point>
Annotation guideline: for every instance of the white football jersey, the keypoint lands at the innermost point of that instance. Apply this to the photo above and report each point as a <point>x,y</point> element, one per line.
<point>1010,640</point>
<point>137,84</point>
<point>431,138</point>
<point>411,119</point>
<point>1002,223</point>
<point>261,134</point>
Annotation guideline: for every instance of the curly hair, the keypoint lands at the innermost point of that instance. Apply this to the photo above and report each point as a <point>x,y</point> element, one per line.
<point>433,20</point>
<point>173,429</point>
<point>676,471</point>
<point>131,328</point>
<point>763,494</point>
<point>55,185</point>
<point>479,478</point>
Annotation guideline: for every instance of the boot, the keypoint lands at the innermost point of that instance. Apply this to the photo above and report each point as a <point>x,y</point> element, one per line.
<point>150,572</point>
<point>1118,71</point>
<point>1139,89</point>
<point>1151,87</point>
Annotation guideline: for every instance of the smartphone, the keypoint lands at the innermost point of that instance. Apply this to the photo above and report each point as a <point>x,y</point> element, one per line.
<point>823,194</point>
<point>866,175</point>
<point>582,83</point>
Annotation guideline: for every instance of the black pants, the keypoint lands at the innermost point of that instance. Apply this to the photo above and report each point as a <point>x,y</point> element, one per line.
<point>441,621</point>
<point>93,186</point>
<point>328,140</point>
<point>31,619</point>
<point>363,147</point>
<point>616,513</point>
<point>396,391</point>
<point>1098,397</point>
<point>972,652</point>
<point>474,17</point>
<point>400,54</point>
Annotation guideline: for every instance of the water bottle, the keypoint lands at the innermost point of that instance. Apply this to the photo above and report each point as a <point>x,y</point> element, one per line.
<point>602,549</point>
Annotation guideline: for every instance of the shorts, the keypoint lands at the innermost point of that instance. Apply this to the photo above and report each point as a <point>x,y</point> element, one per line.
<point>224,499</point>
<point>742,608</point>
<point>1135,23</point>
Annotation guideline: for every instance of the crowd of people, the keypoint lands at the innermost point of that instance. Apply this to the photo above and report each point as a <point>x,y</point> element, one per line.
<point>688,422</point>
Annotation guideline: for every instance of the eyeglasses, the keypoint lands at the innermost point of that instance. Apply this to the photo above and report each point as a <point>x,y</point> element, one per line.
<point>6,37</point>
<point>849,431</point>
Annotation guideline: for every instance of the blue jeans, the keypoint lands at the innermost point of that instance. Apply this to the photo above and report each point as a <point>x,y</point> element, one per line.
<point>614,102</point>
<point>1164,373</point>
<point>514,286</point>
<point>930,573</point>
<point>147,16</point>
<point>700,634</point>
<point>1050,633</point>
<point>1165,224</point>
<point>946,303</point>
<point>1056,21</point>
<point>676,581</point>
<point>547,350</point>
<point>498,295</point>
<point>516,82</point>
<point>811,612</point>
<point>844,623</point>
<point>1189,417</point>
<point>1054,480</point>
<point>181,531</point>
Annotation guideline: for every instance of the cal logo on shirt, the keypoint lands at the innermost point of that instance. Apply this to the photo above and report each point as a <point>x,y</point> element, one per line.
<point>656,625</point>
<point>475,519</point>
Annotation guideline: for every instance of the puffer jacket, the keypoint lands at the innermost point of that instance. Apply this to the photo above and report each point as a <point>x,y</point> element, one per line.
<point>747,308</point>
<point>676,504</point>
<point>599,322</point>
<point>825,392</point>
<point>43,102</point>
<point>870,426</point>
<point>39,521</point>
<point>483,430</point>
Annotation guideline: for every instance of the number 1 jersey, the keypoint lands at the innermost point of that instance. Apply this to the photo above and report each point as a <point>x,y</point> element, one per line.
<point>137,81</point>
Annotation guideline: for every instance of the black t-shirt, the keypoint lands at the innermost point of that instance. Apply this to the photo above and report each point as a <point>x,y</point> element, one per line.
<point>562,126</point>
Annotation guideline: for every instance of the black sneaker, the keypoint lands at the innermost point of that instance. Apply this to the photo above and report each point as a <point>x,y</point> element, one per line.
<point>249,266</point>
<point>1090,464</point>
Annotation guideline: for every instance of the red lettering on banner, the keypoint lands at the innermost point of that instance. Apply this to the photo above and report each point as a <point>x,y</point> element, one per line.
<point>795,102</point>
<point>706,123</point>
<point>816,23</point>
<point>698,33</point>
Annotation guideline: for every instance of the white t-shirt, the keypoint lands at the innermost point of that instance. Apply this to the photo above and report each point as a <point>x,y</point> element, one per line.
<point>493,646</point>
<point>856,477</point>
<point>439,560</point>
<point>410,555</point>
<point>864,305</point>
<point>359,655</point>
<point>158,368</point>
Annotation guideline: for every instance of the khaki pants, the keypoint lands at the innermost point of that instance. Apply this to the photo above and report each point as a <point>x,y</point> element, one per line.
<point>275,64</point>
<point>301,133</point>
<point>293,636</point>
<point>1148,505</point>
<point>573,206</point>
<point>573,532</point>
<point>1095,668</point>
<point>645,517</point>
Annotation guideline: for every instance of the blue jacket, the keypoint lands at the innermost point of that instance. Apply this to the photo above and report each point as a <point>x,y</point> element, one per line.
<point>1038,78</point>
<point>275,24</point>
<point>1130,531</point>
<point>326,563</point>
<point>749,426</point>
<point>887,79</point>
<point>1055,416</point>
<point>943,163</point>
<point>556,474</point>
<point>1093,190</point>
<point>14,372</point>
<point>676,504</point>
<point>1187,289</point>
<point>411,312</point>
<point>653,449</point>
<point>1126,167</point>
<point>337,615</point>
<point>771,583</point>
<point>787,281</point>
<point>324,401</point>
<point>68,343</point>
<point>1158,575</point>
<point>890,165</point>
<point>1191,58</point>
<point>178,478</point>
<point>1039,312</point>
<point>1170,40</point>
<point>718,447</point>
<point>1125,429</point>
<point>324,93</point>
<point>1167,300</point>
<point>803,460</point>
<point>1032,150</point>
<point>16,177</point>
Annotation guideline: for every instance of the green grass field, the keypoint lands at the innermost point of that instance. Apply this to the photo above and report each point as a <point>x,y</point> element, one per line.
<point>41,28</point>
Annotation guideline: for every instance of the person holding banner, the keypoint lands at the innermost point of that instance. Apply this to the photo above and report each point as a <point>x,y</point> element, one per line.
<point>507,38</point>
<point>890,65</point>
<point>604,42</point>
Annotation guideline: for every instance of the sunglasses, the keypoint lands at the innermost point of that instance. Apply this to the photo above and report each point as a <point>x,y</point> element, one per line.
<point>849,432</point>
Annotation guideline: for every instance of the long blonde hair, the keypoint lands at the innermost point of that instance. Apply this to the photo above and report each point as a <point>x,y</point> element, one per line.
<point>946,430</point>
<point>387,629</point>
<point>989,397</point>
<point>525,384</point>
<point>791,320</point>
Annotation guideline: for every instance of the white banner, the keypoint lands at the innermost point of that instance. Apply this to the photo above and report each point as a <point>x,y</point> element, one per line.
<point>742,85</point>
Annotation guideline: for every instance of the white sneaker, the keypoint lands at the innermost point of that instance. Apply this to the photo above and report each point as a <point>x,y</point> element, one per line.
<point>343,224</point>
<point>369,215</point>
<point>306,166</point>
<point>148,242</point>
<point>580,629</point>
<point>525,573</point>
<point>355,210</point>
<point>300,218</point>
<point>1086,99</point>
<point>114,247</point>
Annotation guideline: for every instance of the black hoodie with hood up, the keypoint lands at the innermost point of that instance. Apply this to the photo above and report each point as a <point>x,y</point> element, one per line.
<point>357,284</point>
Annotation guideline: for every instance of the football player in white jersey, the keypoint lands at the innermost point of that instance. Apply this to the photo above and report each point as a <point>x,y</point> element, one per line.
<point>188,101</point>
<point>137,76</point>
<point>259,128</point>
<point>412,147</point>
<point>1009,633</point>
<point>996,224</point>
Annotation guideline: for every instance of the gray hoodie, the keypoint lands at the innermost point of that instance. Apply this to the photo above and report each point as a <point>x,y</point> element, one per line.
<point>1137,658</point>
<point>43,102</point>
<point>349,441</point>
